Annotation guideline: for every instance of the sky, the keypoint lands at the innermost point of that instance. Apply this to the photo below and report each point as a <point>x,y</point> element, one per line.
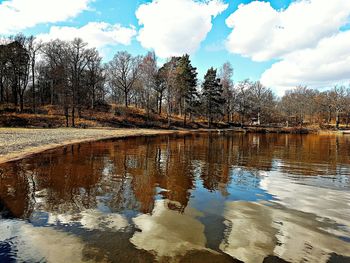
<point>282,43</point>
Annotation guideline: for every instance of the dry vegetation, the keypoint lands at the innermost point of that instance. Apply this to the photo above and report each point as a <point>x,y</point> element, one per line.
<point>115,117</point>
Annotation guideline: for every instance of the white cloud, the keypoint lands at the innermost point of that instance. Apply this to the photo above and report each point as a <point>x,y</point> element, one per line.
<point>263,33</point>
<point>17,15</point>
<point>173,28</point>
<point>305,38</point>
<point>96,34</point>
<point>320,67</point>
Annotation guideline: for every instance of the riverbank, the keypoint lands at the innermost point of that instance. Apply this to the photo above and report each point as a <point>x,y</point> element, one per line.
<point>293,130</point>
<point>17,143</point>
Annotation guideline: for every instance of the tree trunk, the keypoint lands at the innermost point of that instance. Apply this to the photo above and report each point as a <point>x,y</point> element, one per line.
<point>1,88</point>
<point>93,98</point>
<point>73,116</point>
<point>337,121</point>
<point>169,113</point>
<point>33,83</point>
<point>126,98</point>
<point>180,107</point>
<point>21,101</point>
<point>66,113</point>
<point>51,99</point>
<point>42,95</point>
<point>185,112</point>
<point>15,95</point>
<point>79,111</point>
<point>1,91</point>
<point>329,116</point>
<point>160,103</point>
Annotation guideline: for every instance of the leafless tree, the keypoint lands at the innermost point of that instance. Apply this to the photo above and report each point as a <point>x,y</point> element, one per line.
<point>124,70</point>
<point>148,77</point>
<point>34,47</point>
<point>225,75</point>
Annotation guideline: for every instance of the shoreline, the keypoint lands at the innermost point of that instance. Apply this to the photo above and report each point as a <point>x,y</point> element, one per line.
<point>30,147</point>
<point>19,143</point>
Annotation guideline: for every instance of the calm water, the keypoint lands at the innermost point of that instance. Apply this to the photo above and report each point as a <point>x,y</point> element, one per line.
<point>197,198</point>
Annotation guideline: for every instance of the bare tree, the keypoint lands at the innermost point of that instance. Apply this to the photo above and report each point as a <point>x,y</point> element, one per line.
<point>243,99</point>
<point>262,100</point>
<point>299,103</point>
<point>20,64</point>
<point>55,68</point>
<point>94,76</point>
<point>338,103</point>
<point>225,75</point>
<point>160,87</point>
<point>33,48</point>
<point>148,75</point>
<point>123,72</point>
<point>78,57</point>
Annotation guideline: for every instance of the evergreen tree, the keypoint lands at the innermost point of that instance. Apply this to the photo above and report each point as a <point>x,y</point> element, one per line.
<point>212,95</point>
<point>187,80</point>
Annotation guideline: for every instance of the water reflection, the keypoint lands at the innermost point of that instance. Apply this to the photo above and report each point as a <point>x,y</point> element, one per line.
<point>268,230</point>
<point>326,203</point>
<point>182,198</point>
<point>91,220</point>
<point>30,244</point>
<point>171,233</point>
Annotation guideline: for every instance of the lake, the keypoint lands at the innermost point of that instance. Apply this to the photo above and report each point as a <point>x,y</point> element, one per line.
<point>203,197</point>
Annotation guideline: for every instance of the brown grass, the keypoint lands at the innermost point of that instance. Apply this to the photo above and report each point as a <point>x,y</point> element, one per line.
<point>117,117</point>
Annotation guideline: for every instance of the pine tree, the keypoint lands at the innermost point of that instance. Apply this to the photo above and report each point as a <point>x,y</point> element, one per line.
<point>212,95</point>
<point>187,79</point>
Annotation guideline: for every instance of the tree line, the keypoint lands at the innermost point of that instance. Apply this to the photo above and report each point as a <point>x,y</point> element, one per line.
<point>72,75</point>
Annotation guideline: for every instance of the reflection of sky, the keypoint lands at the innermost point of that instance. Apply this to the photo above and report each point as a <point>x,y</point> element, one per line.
<point>21,242</point>
<point>169,233</point>
<point>310,209</point>
<point>326,203</point>
<point>244,186</point>
<point>255,231</point>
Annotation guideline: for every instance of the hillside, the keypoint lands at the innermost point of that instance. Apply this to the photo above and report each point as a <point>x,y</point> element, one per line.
<point>114,117</point>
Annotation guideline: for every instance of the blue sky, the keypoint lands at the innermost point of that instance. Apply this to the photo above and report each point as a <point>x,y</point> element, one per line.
<point>277,41</point>
<point>211,52</point>
<point>117,11</point>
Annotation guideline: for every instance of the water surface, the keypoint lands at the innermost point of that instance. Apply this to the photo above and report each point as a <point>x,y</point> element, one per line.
<point>197,198</point>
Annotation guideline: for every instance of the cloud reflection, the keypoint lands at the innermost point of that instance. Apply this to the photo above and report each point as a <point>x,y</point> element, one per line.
<point>326,203</point>
<point>169,233</point>
<point>255,231</point>
<point>38,244</point>
<point>91,220</point>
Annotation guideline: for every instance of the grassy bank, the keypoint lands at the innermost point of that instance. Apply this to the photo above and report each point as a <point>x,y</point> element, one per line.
<point>116,117</point>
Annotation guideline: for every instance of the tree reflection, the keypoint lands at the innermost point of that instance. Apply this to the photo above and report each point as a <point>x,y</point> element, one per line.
<point>131,174</point>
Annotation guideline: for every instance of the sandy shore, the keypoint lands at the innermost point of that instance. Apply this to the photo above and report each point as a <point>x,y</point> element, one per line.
<point>17,143</point>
